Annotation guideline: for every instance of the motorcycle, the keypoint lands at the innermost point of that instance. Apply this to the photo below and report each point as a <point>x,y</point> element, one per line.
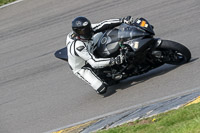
<point>141,51</point>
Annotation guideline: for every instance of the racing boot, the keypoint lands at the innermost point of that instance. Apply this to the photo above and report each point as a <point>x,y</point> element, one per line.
<point>102,89</point>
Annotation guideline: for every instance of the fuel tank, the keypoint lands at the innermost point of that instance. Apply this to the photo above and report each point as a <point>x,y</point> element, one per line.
<point>107,45</point>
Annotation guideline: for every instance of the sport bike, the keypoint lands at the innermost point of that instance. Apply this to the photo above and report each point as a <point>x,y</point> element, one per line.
<point>141,51</point>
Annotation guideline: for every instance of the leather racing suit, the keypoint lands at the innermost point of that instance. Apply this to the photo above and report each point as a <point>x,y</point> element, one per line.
<point>80,53</point>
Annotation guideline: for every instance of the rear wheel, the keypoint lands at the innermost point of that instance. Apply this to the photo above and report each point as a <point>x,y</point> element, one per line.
<point>174,53</point>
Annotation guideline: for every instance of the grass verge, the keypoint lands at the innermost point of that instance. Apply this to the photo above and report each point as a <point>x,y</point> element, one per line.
<point>183,120</point>
<point>3,2</point>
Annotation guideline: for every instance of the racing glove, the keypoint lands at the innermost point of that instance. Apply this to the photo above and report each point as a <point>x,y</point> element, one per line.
<point>117,60</point>
<point>127,20</point>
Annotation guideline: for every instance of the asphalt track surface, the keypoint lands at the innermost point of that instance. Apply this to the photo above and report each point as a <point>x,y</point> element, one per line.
<point>39,93</point>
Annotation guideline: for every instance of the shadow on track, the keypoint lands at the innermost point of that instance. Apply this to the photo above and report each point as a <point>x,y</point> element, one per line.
<point>142,78</point>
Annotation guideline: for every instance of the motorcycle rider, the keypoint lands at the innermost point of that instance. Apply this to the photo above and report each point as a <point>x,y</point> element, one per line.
<point>81,43</point>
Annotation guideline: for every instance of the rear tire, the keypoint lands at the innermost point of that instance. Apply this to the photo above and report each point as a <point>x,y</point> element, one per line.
<point>174,53</point>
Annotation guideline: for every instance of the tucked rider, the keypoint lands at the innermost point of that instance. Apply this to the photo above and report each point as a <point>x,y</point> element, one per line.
<point>81,44</point>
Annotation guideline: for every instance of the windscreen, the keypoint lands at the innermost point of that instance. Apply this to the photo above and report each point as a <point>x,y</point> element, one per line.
<point>127,32</point>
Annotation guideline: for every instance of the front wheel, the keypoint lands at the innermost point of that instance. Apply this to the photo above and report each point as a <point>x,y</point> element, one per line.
<point>174,53</point>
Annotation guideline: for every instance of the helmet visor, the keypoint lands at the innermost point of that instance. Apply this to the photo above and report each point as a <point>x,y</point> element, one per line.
<point>85,32</point>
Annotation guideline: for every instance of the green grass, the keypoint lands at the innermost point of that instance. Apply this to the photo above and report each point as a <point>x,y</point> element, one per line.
<point>3,2</point>
<point>183,120</point>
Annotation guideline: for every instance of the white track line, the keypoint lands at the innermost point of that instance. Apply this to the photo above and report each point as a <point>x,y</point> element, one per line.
<point>11,3</point>
<point>190,91</point>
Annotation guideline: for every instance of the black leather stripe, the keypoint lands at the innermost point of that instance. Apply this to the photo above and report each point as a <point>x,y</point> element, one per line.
<point>70,49</point>
<point>83,78</point>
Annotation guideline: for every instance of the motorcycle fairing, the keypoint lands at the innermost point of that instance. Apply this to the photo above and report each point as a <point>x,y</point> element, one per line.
<point>139,45</point>
<point>144,24</point>
<point>127,32</point>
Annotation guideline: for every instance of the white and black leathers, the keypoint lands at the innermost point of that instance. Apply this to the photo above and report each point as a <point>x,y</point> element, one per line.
<point>80,53</point>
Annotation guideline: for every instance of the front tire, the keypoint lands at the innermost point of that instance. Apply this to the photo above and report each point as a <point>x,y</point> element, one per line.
<point>174,53</point>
